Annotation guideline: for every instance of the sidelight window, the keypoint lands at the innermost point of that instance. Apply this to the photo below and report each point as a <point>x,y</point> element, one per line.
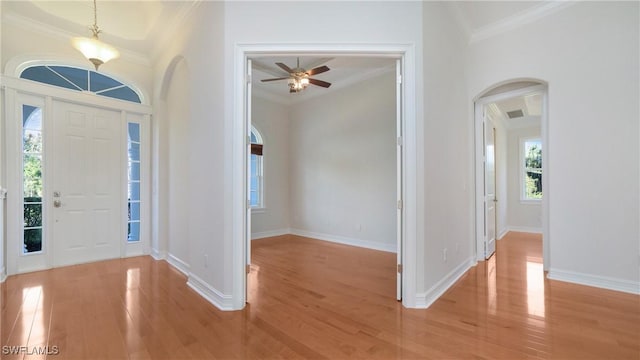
<point>32,167</point>
<point>133,182</point>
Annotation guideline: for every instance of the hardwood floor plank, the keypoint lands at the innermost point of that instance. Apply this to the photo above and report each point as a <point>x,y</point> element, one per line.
<point>310,299</point>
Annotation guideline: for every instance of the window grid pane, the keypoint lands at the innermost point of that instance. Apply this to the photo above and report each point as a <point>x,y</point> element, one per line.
<point>32,165</point>
<point>532,169</point>
<point>134,184</point>
<point>81,79</point>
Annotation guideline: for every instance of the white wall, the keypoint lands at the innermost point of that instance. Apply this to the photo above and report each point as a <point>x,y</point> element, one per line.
<point>271,119</point>
<point>200,149</point>
<point>343,164</point>
<point>272,23</point>
<point>589,55</point>
<point>180,198</point>
<point>522,216</point>
<point>448,141</point>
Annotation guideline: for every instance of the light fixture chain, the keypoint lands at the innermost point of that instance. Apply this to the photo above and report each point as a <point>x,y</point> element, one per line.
<point>95,29</point>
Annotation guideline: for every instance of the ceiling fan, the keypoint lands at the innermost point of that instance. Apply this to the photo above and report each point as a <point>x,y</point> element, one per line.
<point>300,78</point>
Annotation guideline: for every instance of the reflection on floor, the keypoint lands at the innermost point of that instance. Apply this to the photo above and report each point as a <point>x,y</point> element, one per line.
<point>313,299</point>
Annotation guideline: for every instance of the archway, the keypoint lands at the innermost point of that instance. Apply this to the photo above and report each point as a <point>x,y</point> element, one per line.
<point>500,92</point>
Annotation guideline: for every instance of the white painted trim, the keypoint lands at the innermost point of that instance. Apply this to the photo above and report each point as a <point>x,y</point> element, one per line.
<point>604,282</point>
<point>479,101</point>
<point>215,297</point>
<point>57,93</point>
<point>179,264</point>
<point>525,229</point>
<point>425,299</point>
<point>270,233</point>
<point>235,199</point>
<point>346,240</point>
<point>158,255</point>
<point>3,274</point>
<point>502,233</point>
<point>519,19</point>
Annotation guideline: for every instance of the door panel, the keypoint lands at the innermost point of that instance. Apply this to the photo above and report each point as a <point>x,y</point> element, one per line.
<point>400,206</point>
<point>86,178</point>
<point>490,189</point>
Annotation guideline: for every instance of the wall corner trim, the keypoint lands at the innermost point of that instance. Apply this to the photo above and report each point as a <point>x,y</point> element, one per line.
<point>3,274</point>
<point>604,282</point>
<point>158,255</point>
<point>425,299</point>
<point>215,297</point>
<point>182,266</point>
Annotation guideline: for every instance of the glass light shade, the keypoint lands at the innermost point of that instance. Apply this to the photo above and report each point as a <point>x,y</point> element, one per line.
<point>95,50</point>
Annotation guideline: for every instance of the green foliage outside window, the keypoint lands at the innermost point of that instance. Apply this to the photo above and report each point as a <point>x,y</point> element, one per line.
<point>533,170</point>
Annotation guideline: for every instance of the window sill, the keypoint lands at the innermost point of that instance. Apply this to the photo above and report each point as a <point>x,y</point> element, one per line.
<point>257,210</point>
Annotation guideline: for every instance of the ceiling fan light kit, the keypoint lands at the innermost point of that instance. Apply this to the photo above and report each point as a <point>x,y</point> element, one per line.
<point>92,48</point>
<point>299,78</point>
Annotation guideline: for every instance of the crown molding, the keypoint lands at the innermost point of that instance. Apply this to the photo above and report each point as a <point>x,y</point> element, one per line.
<point>63,35</point>
<point>519,19</point>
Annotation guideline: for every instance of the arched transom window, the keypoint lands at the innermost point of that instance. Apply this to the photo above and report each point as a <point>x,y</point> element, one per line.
<point>81,80</point>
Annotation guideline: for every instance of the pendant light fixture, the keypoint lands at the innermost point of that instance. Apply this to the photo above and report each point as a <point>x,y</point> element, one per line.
<point>92,48</point>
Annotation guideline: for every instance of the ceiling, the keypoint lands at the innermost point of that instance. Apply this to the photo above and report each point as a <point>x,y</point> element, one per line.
<point>344,71</point>
<point>138,28</point>
<point>529,105</point>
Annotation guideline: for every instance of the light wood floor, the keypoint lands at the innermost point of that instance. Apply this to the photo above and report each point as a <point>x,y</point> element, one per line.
<point>313,299</point>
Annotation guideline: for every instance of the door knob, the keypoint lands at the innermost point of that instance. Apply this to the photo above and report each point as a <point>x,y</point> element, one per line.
<point>57,203</point>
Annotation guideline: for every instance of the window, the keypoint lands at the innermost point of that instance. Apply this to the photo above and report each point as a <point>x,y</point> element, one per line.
<point>532,169</point>
<point>81,80</point>
<point>256,196</point>
<point>133,181</point>
<point>32,178</point>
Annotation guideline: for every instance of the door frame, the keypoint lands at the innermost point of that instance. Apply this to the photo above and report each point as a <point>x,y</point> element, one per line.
<point>14,89</point>
<point>479,103</point>
<point>241,235</point>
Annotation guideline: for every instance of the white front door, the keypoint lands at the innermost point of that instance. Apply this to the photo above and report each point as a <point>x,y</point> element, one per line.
<point>86,184</point>
<point>490,188</point>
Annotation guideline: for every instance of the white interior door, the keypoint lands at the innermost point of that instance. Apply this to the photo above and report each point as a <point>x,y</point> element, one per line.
<point>490,188</point>
<point>399,178</point>
<point>248,178</point>
<point>86,182</point>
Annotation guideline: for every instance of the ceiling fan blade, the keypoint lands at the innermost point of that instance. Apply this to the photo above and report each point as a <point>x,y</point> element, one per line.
<point>282,78</point>
<point>319,83</point>
<point>284,67</point>
<point>318,70</point>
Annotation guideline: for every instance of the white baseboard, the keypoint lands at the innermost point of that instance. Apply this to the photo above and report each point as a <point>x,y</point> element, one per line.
<point>270,233</point>
<point>524,229</point>
<point>502,233</point>
<point>215,297</point>
<point>424,300</point>
<point>3,274</point>
<point>345,240</point>
<point>604,282</point>
<point>158,255</point>
<point>182,266</point>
